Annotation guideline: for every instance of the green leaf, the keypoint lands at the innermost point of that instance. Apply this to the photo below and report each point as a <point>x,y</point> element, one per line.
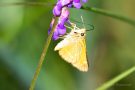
<point>110,14</point>
<point>116,79</point>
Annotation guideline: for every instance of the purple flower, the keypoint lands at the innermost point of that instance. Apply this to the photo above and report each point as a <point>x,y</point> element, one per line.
<point>66,2</point>
<point>84,1</point>
<point>55,35</point>
<point>64,16</point>
<point>57,9</point>
<point>52,22</point>
<point>61,10</point>
<point>77,3</point>
<point>60,28</point>
<point>62,3</point>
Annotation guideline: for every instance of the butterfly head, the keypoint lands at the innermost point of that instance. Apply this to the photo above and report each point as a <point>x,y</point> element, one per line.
<point>78,32</point>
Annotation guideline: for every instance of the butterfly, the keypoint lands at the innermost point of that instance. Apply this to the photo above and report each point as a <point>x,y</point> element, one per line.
<point>73,48</point>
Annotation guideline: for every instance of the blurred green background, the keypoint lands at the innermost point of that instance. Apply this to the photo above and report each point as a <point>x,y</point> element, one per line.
<point>110,47</point>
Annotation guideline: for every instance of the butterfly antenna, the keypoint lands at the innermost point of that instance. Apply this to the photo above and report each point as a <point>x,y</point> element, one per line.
<point>68,27</point>
<point>82,21</point>
<point>92,27</point>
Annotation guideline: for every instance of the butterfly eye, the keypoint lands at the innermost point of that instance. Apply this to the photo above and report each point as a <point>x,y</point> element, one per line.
<point>82,34</point>
<point>75,32</point>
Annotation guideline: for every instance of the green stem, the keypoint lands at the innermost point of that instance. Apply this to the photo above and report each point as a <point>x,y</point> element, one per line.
<point>27,4</point>
<point>116,79</point>
<point>33,82</point>
<point>92,9</point>
<point>110,14</point>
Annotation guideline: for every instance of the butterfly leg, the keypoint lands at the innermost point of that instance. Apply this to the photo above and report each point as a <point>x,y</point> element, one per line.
<point>68,27</point>
<point>63,36</point>
<point>71,24</point>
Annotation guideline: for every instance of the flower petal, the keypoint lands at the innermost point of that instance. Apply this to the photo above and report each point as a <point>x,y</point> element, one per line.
<point>84,1</point>
<point>77,4</point>
<point>57,9</point>
<point>61,30</point>
<point>65,2</point>
<point>55,35</point>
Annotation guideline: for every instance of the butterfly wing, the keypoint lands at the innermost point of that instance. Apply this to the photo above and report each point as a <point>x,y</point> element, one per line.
<point>75,53</point>
<point>63,43</point>
<point>82,62</point>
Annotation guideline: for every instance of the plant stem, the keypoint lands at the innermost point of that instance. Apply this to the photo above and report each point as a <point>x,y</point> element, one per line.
<point>27,4</point>
<point>116,79</point>
<point>33,82</point>
<point>110,14</point>
<point>92,9</point>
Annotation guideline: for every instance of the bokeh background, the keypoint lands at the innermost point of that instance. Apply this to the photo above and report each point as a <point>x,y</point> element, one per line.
<point>110,47</point>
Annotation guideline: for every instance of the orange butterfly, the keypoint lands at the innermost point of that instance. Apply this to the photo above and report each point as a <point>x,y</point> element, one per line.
<point>73,48</point>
